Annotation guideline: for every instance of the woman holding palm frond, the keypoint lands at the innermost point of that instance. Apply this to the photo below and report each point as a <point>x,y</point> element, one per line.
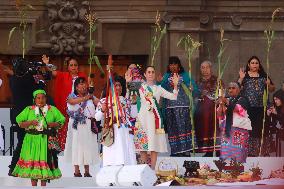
<point>253,80</point>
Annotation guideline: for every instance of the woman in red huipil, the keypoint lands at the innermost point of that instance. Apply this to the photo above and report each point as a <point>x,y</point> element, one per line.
<point>64,85</point>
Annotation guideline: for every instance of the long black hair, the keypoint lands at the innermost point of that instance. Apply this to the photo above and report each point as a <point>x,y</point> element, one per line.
<point>261,71</point>
<point>68,60</point>
<point>77,82</point>
<point>280,95</point>
<point>148,67</point>
<point>121,80</point>
<point>175,60</point>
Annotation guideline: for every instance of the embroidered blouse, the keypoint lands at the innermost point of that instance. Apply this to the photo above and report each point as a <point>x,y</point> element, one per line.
<point>80,112</point>
<point>253,90</point>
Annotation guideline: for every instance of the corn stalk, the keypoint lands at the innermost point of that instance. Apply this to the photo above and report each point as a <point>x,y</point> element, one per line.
<point>22,13</point>
<point>269,34</point>
<point>157,37</point>
<point>219,88</point>
<point>190,46</point>
<point>91,19</point>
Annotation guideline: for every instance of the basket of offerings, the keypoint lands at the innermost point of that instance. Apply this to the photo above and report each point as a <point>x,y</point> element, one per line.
<point>167,167</point>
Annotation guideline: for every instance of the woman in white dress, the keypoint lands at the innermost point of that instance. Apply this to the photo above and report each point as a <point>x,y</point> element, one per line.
<point>81,143</point>
<point>153,138</point>
<point>122,151</point>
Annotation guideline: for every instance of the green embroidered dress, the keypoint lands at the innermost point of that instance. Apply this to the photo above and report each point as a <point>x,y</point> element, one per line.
<point>33,162</point>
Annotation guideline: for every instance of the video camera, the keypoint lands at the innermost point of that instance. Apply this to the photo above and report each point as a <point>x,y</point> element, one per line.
<point>22,67</point>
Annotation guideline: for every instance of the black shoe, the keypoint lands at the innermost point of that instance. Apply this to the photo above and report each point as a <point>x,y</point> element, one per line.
<point>10,172</point>
<point>177,155</point>
<point>208,154</point>
<point>186,154</point>
<point>87,175</point>
<point>77,175</point>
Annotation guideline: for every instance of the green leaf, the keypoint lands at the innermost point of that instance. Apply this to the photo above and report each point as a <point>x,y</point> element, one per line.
<point>264,99</point>
<point>11,34</point>
<point>30,7</point>
<point>99,64</point>
<point>223,68</point>
<point>181,41</point>
<point>94,28</point>
<point>39,31</point>
<point>189,94</point>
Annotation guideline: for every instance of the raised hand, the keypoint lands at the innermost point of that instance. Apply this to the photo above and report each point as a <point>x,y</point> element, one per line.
<point>159,77</point>
<point>175,80</point>
<point>128,76</point>
<point>242,73</point>
<point>45,59</point>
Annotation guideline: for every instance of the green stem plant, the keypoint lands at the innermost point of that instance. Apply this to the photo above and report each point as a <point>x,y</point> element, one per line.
<point>219,88</point>
<point>190,46</point>
<point>91,20</point>
<point>269,34</point>
<point>22,13</point>
<point>157,37</point>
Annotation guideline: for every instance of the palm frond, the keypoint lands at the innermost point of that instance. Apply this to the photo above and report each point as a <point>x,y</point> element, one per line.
<point>99,64</point>
<point>30,7</point>
<point>11,34</point>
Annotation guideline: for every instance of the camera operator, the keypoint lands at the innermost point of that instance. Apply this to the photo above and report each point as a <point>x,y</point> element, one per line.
<point>24,78</point>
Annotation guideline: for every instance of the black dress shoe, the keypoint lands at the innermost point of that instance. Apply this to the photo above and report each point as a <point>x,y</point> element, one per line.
<point>10,172</point>
<point>87,175</point>
<point>77,175</point>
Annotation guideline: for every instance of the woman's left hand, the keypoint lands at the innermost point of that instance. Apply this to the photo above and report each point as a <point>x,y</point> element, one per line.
<point>175,79</point>
<point>159,77</point>
<point>45,59</point>
<point>128,76</point>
